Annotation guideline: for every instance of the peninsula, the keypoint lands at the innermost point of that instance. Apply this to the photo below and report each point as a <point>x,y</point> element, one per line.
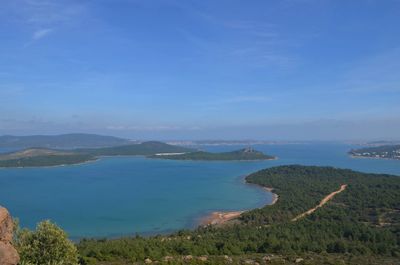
<point>324,215</point>
<point>238,155</point>
<point>385,152</point>
<point>43,157</point>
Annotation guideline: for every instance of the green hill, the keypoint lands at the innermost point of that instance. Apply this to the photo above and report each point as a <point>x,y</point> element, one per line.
<point>145,148</point>
<point>242,154</point>
<point>42,157</point>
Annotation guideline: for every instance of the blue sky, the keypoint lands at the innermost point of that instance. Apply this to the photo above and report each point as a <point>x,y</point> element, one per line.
<point>284,70</point>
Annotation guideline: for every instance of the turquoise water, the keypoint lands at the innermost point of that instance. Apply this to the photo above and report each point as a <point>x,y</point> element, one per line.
<point>127,195</point>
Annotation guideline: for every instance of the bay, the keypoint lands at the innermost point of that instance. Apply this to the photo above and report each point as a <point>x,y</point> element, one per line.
<point>118,196</point>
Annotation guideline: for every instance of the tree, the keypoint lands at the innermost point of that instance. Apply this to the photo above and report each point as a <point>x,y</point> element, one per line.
<point>48,244</point>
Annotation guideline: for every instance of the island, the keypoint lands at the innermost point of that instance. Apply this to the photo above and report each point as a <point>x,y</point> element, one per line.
<point>383,152</point>
<point>324,215</point>
<point>245,154</point>
<point>43,157</point>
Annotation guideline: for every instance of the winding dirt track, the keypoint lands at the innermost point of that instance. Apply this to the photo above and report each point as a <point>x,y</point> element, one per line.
<point>324,201</point>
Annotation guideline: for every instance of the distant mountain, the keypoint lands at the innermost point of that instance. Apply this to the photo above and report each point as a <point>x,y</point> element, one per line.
<point>385,151</point>
<point>242,154</point>
<point>63,141</point>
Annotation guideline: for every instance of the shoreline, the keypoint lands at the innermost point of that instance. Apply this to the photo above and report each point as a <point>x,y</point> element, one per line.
<point>97,158</point>
<point>223,217</point>
<point>212,160</point>
<point>371,157</point>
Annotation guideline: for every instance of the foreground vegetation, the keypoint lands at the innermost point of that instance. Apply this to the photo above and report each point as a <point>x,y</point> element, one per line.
<point>47,245</point>
<point>361,225</point>
<point>238,155</point>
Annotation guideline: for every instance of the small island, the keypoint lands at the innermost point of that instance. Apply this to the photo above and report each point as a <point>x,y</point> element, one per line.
<point>245,154</point>
<point>383,152</point>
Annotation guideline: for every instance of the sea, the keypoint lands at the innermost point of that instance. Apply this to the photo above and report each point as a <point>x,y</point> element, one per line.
<point>125,196</point>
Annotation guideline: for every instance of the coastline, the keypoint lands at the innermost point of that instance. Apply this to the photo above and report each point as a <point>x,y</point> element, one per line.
<point>224,217</point>
<point>371,157</point>
<point>206,160</point>
<point>96,158</point>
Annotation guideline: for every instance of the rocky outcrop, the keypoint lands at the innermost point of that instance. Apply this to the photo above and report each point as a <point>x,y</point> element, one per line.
<point>8,254</point>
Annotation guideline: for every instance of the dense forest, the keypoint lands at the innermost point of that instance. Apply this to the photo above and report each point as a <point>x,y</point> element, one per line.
<point>361,225</point>
<point>238,155</point>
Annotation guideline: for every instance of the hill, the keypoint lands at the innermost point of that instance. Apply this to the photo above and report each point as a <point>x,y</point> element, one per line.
<point>146,149</point>
<point>359,225</point>
<point>34,157</point>
<point>63,141</point>
<point>385,151</point>
<point>238,155</point>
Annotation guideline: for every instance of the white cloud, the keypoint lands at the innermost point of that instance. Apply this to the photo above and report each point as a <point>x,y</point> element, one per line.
<point>39,34</point>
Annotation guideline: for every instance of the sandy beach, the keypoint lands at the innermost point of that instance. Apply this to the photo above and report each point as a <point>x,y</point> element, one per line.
<point>217,218</point>
<point>222,217</point>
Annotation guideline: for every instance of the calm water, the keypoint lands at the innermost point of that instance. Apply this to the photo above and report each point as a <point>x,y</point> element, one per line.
<point>127,195</point>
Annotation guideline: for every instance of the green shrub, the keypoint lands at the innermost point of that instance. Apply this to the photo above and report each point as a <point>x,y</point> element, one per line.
<point>47,245</point>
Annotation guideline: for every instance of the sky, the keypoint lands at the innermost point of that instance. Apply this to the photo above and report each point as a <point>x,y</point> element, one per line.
<point>226,69</point>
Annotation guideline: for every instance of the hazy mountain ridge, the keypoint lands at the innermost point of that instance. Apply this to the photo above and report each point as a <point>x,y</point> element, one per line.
<point>62,141</point>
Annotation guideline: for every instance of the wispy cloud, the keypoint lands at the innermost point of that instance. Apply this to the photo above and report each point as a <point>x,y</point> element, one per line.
<point>42,17</point>
<point>248,41</point>
<point>41,33</point>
